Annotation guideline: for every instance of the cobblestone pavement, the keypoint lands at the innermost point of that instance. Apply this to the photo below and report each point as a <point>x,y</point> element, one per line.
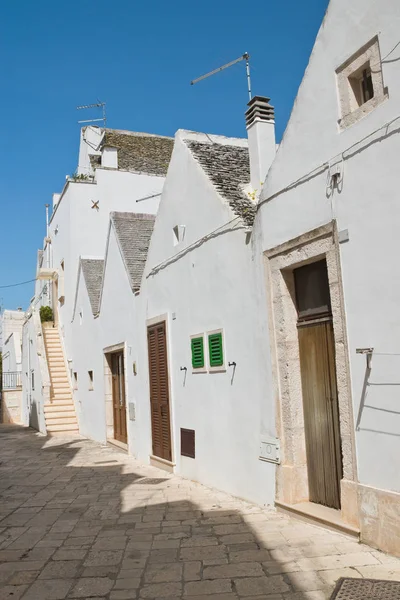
<point>80,520</point>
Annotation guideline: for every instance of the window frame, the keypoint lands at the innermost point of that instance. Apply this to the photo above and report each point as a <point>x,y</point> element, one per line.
<point>349,76</point>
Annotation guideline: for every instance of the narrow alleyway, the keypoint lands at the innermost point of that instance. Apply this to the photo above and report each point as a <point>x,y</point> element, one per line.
<point>80,520</point>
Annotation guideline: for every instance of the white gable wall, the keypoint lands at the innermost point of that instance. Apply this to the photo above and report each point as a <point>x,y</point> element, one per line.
<point>211,287</point>
<point>82,230</point>
<point>86,356</point>
<point>367,206</point>
<point>117,325</point>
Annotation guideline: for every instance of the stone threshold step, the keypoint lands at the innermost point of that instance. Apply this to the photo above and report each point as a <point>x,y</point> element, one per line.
<point>319,515</point>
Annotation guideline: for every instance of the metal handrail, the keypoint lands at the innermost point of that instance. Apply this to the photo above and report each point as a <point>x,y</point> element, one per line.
<point>11,380</point>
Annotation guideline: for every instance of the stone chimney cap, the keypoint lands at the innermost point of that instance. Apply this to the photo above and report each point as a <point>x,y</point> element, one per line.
<point>259,109</point>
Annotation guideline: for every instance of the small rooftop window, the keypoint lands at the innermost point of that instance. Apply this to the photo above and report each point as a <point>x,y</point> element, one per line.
<point>178,234</point>
<point>360,84</point>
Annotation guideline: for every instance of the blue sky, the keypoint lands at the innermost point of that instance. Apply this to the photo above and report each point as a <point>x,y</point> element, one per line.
<point>139,57</point>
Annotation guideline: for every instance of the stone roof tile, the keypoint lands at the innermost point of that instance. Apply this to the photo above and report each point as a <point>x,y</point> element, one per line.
<point>143,152</point>
<point>228,168</point>
<point>92,269</point>
<point>133,232</point>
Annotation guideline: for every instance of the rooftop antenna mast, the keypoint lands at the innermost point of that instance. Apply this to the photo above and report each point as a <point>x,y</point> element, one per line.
<point>98,104</point>
<point>245,56</point>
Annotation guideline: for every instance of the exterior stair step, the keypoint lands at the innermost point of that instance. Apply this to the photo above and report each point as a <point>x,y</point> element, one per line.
<point>63,427</point>
<point>61,404</point>
<point>60,412</point>
<point>59,408</point>
<point>61,394</point>
<point>62,420</point>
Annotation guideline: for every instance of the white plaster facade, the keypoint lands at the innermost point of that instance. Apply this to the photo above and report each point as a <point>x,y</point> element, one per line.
<point>205,283</point>
<point>78,227</point>
<point>346,181</point>
<point>11,325</point>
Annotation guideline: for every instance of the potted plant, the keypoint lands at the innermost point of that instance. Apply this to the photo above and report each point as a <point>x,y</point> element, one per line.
<point>46,316</point>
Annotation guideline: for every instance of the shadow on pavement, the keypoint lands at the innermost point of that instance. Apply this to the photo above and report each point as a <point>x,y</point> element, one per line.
<point>80,520</point>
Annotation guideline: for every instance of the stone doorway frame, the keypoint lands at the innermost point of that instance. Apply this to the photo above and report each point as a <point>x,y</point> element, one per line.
<point>280,262</point>
<point>108,397</point>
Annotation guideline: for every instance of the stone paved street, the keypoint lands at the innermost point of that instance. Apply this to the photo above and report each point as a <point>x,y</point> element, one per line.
<point>80,520</point>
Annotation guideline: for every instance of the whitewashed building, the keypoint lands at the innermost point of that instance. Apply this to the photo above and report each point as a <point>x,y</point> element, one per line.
<point>203,385</point>
<point>117,170</point>
<point>327,225</point>
<point>11,398</point>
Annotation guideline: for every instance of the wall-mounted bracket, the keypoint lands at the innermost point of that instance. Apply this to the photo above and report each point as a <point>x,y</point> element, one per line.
<point>368,353</point>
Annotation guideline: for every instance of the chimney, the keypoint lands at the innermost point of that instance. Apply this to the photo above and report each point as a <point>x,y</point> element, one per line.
<point>109,157</point>
<point>260,125</point>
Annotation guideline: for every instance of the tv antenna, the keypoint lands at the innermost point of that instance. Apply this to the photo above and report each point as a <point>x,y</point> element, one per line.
<point>245,56</point>
<point>98,104</point>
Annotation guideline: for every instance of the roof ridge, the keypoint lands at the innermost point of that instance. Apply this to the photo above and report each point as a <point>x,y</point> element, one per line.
<point>132,215</point>
<point>138,133</point>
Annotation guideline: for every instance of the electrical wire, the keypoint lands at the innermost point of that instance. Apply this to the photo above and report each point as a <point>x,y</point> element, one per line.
<point>326,165</point>
<point>16,284</point>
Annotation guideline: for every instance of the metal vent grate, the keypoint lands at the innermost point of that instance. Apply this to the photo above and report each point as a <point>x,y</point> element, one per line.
<point>188,442</point>
<point>366,589</point>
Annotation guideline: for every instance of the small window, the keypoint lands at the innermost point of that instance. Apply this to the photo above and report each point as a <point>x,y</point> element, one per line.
<point>75,380</point>
<point>312,290</point>
<point>197,345</point>
<point>361,85</point>
<point>90,373</point>
<point>178,234</point>
<point>215,349</point>
<point>33,380</point>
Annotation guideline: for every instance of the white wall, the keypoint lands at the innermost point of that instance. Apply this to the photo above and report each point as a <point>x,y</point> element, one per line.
<point>212,286</point>
<point>12,353</point>
<point>82,230</point>
<point>117,322</point>
<point>367,206</point>
<point>34,392</point>
<point>86,356</point>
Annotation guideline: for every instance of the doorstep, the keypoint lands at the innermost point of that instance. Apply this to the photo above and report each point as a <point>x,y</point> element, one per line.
<point>316,514</point>
<point>118,444</point>
<point>161,463</point>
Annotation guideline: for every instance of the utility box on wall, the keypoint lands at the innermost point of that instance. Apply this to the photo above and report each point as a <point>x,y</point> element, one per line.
<point>270,450</point>
<point>132,411</point>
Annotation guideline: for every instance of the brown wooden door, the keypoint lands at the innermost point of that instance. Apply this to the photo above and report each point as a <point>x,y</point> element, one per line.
<point>321,412</point>
<point>118,393</point>
<point>159,391</point>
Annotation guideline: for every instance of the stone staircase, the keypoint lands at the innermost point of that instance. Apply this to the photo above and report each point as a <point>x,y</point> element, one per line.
<point>59,413</point>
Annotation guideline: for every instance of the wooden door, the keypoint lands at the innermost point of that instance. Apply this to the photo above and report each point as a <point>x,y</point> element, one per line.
<point>321,412</point>
<point>119,400</point>
<point>318,381</point>
<point>159,391</point>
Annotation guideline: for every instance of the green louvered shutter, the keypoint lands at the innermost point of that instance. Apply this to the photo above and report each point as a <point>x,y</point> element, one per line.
<point>215,350</point>
<point>197,353</point>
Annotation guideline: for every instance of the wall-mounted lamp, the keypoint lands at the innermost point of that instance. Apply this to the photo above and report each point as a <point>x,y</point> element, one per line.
<point>232,364</point>
<point>183,368</point>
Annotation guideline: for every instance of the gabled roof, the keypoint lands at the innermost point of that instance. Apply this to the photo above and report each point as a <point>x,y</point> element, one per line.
<point>228,168</point>
<point>143,152</point>
<point>133,232</point>
<point>92,269</point>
